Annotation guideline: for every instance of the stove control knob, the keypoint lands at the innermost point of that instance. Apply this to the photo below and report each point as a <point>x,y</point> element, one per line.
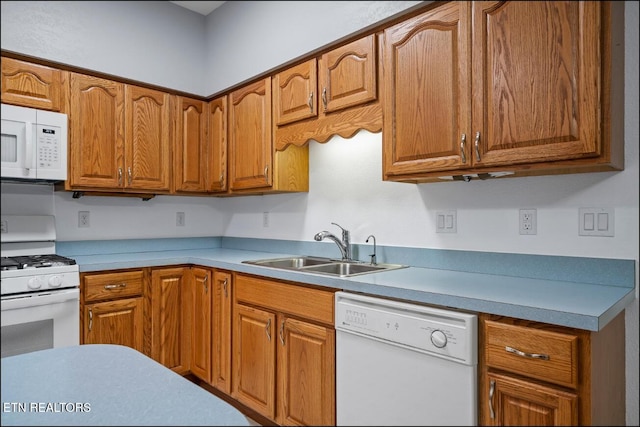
<point>34,283</point>
<point>55,281</point>
<point>438,338</point>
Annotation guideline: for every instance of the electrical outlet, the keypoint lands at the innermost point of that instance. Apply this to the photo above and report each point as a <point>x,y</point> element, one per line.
<point>528,221</point>
<point>180,219</point>
<point>265,219</point>
<point>83,219</point>
<point>5,226</point>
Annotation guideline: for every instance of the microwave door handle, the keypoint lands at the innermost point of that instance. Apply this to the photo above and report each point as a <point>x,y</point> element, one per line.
<point>28,152</point>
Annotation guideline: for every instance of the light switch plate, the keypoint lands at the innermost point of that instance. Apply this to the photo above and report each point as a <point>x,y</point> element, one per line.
<point>446,221</point>
<point>596,222</point>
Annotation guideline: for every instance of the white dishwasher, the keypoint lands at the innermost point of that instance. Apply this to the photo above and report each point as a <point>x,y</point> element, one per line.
<point>404,364</point>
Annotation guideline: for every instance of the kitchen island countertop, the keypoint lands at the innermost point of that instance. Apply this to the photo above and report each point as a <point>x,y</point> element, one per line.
<point>103,384</point>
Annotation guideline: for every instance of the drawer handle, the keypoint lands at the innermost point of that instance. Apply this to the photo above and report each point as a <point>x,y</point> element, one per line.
<point>529,355</point>
<point>119,285</point>
<point>90,319</point>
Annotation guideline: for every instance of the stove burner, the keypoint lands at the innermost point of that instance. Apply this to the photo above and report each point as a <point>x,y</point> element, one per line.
<point>35,261</point>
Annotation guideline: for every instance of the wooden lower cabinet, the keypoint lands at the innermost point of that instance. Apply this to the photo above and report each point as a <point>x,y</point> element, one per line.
<point>211,327</point>
<point>171,318</point>
<point>202,291</point>
<point>284,350</point>
<point>221,333</point>
<point>536,374</point>
<point>112,308</point>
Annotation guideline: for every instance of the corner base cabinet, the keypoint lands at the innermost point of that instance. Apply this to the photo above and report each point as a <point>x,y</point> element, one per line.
<point>535,374</point>
<point>284,350</point>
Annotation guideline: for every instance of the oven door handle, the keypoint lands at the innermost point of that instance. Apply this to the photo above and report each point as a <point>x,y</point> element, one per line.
<point>56,297</point>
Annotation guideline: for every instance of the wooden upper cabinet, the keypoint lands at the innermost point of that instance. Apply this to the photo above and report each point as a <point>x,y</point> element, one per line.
<point>250,142</point>
<point>536,81</point>
<point>190,166</point>
<point>217,137</point>
<point>491,86</point>
<point>96,133</point>
<point>35,86</point>
<point>347,75</point>
<point>426,92</point>
<point>295,93</point>
<point>119,136</point>
<point>148,139</point>
<point>317,99</point>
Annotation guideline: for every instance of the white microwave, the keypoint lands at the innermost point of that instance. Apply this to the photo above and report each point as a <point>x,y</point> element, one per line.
<point>34,144</point>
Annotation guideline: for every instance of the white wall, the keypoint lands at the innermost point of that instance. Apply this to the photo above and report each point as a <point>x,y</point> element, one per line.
<point>247,38</point>
<point>155,42</point>
<point>345,175</point>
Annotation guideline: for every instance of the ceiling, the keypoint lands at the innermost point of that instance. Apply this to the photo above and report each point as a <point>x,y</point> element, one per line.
<point>202,7</point>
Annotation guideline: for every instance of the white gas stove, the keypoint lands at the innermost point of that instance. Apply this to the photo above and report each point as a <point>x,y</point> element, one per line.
<point>29,262</point>
<point>40,289</point>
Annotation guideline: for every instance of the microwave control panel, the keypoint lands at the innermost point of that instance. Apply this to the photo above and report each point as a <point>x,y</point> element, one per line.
<point>49,147</point>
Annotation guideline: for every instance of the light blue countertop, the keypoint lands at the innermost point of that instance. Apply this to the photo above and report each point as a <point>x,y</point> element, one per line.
<point>577,304</point>
<point>103,384</point>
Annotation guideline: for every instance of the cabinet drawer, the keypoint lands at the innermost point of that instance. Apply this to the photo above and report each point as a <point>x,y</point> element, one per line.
<point>312,304</point>
<point>536,353</point>
<point>112,285</point>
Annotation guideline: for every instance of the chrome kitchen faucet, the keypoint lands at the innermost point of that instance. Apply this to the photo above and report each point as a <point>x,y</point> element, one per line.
<point>344,244</point>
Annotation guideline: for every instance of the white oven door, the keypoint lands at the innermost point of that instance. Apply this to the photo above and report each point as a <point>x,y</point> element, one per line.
<point>40,321</point>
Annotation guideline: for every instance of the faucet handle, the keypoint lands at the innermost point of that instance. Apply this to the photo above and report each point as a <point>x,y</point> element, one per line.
<point>338,225</point>
<point>345,232</point>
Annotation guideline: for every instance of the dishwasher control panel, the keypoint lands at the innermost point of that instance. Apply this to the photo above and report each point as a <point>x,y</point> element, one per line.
<point>445,333</point>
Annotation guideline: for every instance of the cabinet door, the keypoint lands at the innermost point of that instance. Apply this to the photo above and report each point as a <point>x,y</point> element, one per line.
<point>254,359</point>
<point>306,371</point>
<point>114,322</point>
<point>221,360</point>
<point>32,85</point>
<point>170,336</point>
<point>536,81</point>
<point>426,101</point>
<point>217,137</point>
<point>190,145</point>
<point>294,93</point>
<point>201,325</point>
<point>516,402</point>
<point>250,140</point>
<point>96,132</point>
<point>148,139</point>
<point>347,75</point>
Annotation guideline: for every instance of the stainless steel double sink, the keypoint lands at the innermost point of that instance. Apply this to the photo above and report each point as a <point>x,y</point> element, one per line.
<point>319,265</point>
